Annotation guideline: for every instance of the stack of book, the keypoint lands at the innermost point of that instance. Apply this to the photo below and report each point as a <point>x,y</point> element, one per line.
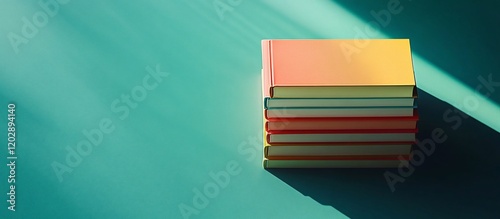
<point>338,103</point>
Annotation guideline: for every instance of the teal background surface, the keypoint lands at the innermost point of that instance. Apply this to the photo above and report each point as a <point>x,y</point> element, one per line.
<point>74,70</point>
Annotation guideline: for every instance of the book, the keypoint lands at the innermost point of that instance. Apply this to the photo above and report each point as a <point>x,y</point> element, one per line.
<point>339,112</point>
<point>338,162</point>
<point>290,150</point>
<point>341,123</point>
<point>328,136</point>
<point>270,103</point>
<point>322,69</point>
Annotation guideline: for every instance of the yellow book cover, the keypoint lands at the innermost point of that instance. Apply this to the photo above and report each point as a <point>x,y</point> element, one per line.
<point>337,68</point>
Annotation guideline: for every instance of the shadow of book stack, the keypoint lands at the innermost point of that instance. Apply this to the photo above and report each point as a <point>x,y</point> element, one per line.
<point>336,103</point>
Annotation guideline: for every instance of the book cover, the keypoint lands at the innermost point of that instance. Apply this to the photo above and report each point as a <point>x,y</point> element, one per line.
<point>291,150</point>
<point>339,112</point>
<point>327,136</point>
<point>322,69</point>
<point>272,103</point>
<point>345,162</point>
<point>341,123</point>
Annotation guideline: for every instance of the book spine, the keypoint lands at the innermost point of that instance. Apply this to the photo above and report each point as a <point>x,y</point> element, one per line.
<point>343,157</point>
<point>266,69</point>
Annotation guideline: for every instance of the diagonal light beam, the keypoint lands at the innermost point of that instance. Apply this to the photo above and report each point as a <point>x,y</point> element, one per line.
<point>333,21</point>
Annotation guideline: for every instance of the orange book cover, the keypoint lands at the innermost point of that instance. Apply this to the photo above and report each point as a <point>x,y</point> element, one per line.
<point>382,68</point>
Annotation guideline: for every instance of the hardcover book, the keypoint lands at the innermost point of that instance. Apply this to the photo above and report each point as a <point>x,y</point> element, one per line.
<point>329,136</point>
<point>338,162</point>
<point>339,112</point>
<point>323,69</point>
<point>271,103</point>
<point>341,123</point>
<point>292,150</point>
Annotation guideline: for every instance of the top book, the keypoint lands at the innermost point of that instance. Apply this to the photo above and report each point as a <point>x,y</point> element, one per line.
<point>337,68</point>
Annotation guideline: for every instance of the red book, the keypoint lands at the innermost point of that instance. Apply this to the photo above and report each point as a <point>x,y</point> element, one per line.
<point>341,123</point>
